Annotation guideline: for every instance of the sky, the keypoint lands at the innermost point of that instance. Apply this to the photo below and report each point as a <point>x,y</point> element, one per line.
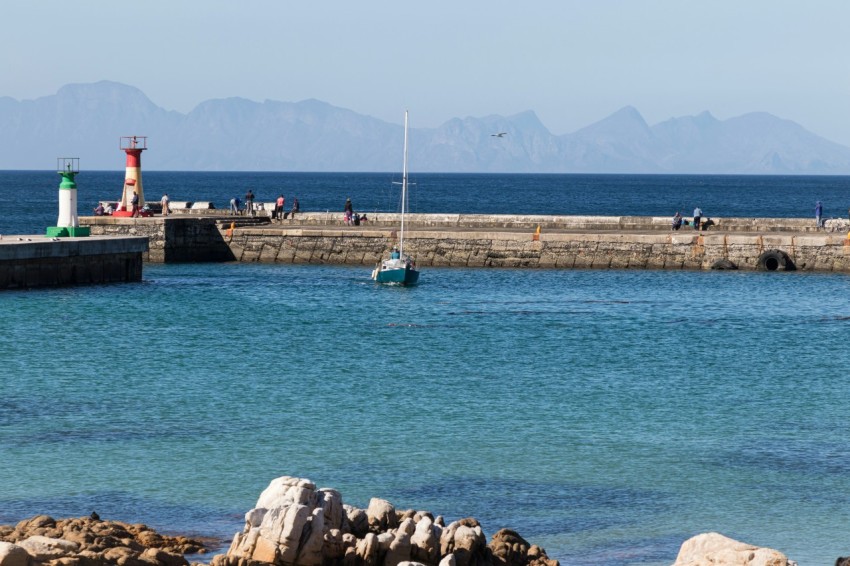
<point>573,62</point>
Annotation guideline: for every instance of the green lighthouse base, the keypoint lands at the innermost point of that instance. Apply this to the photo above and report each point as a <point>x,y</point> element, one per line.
<point>68,231</point>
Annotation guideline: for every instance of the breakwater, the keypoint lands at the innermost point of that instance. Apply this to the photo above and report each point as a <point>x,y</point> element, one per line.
<point>455,240</point>
<point>37,261</point>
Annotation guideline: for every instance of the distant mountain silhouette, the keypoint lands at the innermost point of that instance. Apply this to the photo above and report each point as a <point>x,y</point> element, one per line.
<point>235,134</point>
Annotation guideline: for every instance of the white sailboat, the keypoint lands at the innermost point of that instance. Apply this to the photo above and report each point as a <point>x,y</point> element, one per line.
<point>399,269</point>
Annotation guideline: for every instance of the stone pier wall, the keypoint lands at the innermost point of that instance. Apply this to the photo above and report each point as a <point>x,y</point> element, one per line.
<point>30,262</point>
<point>492,241</point>
<point>825,252</point>
<point>171,240</point>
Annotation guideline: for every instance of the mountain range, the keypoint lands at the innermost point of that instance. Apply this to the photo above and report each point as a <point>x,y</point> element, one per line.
<point>235,134</point>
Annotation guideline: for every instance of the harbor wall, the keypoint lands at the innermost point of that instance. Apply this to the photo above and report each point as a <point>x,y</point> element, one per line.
<point>493,241</point>
<point>555,250</point>
<point>515,221</point>
<point>182,239</point>
<point>35,261</point>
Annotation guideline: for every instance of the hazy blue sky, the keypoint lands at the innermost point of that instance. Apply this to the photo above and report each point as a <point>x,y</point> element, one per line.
<point>572,62</point>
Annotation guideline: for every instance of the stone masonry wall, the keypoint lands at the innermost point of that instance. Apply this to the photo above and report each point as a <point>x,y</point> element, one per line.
<point>76,270</point>
<point>485,242</point>
<point>823,252</point>
<point>170,240</point>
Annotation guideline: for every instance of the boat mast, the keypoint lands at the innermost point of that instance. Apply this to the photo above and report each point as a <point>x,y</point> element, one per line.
<point>403,190</point>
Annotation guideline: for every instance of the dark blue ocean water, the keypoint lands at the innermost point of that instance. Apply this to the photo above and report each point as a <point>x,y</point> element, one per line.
<point>606,415</point>
<point>28,200</point>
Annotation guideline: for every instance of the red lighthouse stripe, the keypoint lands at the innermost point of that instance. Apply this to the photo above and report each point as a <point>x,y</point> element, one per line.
<point>134,157</point>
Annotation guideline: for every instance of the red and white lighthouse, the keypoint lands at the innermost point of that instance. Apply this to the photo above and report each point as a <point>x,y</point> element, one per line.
<point>133,146</point>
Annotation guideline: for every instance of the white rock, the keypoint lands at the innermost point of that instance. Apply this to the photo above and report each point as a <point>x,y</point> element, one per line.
<point>288,531</point>
<point>358,521</point>
<point>381,514</point>
<point>284,491</point>
<point>469,538</point>
<point>335,543</point>
<point>367,549</point>
<point>385,539</point>
<point>331,502</point>
<point>426,541</point>
<point>465,542</point>
<point>13,555</point>
<point>43,548</point>
<point>243,543</point>
<point>310,553</point>
<point>408,527</point>
<point>711,549</point>
<point>399,550</point>
<point>254,518</point>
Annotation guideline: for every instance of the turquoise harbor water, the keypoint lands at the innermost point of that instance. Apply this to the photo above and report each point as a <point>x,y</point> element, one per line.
<point>606,415</point>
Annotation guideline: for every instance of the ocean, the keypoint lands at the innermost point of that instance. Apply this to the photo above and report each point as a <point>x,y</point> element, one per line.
<point>28,199</point>
<point>605,415</point>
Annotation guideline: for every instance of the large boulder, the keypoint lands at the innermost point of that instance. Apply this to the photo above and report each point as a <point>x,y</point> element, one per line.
<point>289,525</point>
<point>399,548</point>
<point>508,548</point>
<point>43,548</point>
<point>425,541</point>
<point>286,490</point>
<point>295,524</point>
<point>358,521</point>
<point>466,540</point>
<point>331,502</point>
<point>712,549</point>
<point>13,555</point>
<point>367,550</point>
<point>381,514</point>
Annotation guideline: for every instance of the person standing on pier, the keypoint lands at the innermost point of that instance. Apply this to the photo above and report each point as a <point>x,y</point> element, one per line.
<point>348,211</point>
<point>697,217</point>
<point>135,204</point>
<point>295,207</point>
<point>165,200</point>
<point>278,209</point>
<point>249,202</point>
<point>819,214</point>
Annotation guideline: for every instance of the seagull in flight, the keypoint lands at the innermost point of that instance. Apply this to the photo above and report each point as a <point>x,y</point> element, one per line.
<point>499,135</point>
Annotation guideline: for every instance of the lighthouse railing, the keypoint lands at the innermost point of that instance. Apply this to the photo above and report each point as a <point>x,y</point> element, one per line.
<point>133,142</point>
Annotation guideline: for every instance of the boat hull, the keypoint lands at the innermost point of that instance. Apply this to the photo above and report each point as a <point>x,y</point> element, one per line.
<point>398,276</point>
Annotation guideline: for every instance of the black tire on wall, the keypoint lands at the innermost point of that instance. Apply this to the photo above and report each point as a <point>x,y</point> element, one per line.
<point>774,260</point>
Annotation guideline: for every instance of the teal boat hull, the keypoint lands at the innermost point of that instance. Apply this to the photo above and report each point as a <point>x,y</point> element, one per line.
<point>399,276</point>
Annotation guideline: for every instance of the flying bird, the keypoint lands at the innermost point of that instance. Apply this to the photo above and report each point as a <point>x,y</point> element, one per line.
<point>499,135</point>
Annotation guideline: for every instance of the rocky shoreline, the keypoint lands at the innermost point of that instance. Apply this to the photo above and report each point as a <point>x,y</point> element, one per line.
<point>296,524</point>
<point>89,541</point>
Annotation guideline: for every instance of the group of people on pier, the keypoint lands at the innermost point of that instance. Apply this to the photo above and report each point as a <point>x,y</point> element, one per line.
<point>678,221</point>
<point>350,217</point>
<point>279,212</point>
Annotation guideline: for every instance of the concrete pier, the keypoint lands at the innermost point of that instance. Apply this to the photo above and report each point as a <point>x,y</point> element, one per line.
<point>37,261</point>
<point>494,241</point>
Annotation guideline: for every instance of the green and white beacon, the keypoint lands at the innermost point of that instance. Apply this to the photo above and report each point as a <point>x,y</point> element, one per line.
<point>68,225</point>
